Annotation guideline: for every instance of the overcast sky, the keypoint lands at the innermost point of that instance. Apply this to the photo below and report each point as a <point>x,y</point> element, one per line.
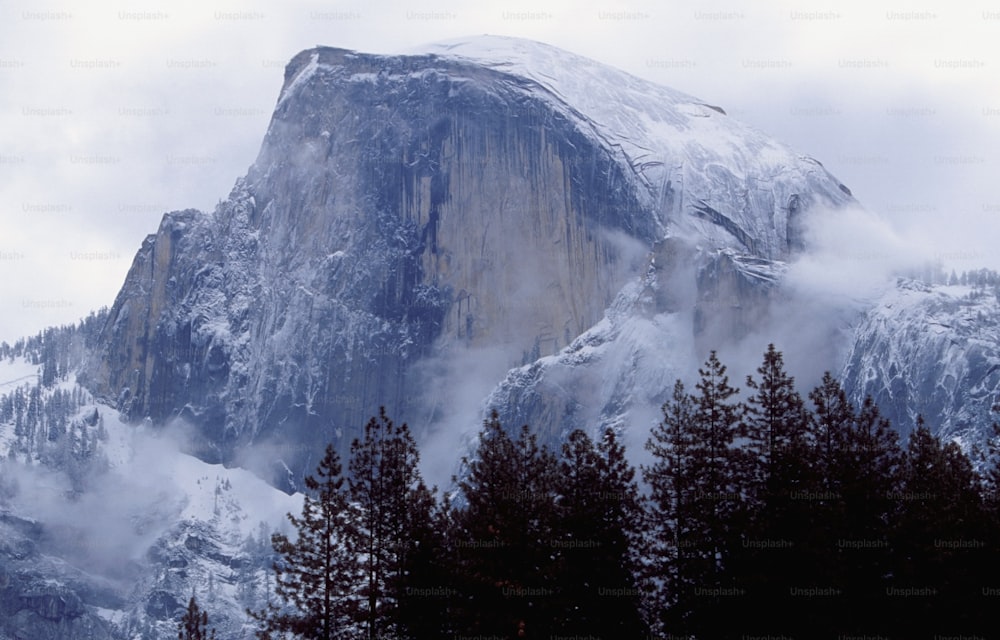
<point>112,113</point>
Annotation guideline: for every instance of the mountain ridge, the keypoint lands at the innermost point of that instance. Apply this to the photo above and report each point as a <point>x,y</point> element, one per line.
<point>405,212</point>
<point>476,226</point>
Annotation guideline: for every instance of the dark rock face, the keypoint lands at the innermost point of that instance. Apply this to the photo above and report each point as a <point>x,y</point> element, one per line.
<point>344,257</point>
<point>620,372</point>
<point>41,598</point>
<point>405,209</point>
<point>734,297</point>
<point>195,557</point>
<point>162,605</point>
<point>53,603</point>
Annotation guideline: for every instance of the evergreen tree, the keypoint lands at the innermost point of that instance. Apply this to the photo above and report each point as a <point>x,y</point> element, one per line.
<point>50,367</point>
<point>452,579</point>
<point>395,518</point>
<point>779,552</point>
<point>502,538</point>
<point>696,488</point>
<point>939,540</point>
<point>316,573</point>
<point>672,512</point>
<point>194,624</point>
<point>426,589</point>
<point>775,433</point>
<point>716,470</point>
<point>986,576</point>
<point>830,424</point>
<point>598,533</point>
<point>867,468</point>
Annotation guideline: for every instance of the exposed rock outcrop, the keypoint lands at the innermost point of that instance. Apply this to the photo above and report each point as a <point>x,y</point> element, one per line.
<point>40,598</point>
<point>491,194</point>
<point>932,351</point>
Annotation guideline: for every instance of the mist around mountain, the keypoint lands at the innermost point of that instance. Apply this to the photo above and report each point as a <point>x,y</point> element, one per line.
<point>106,525</point>
<point>484,224</point>
<point>821,518</point>
<point>417,223</point>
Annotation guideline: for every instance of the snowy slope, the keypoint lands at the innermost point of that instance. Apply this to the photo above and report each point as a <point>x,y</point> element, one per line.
<point>14,373</point>
<point>931,351</point>
<point>155,458</point>
<point>670,141</point>
<point>144,457</point>
<point>695,169</point>
<point>130,539</point>
<point>17,372</point>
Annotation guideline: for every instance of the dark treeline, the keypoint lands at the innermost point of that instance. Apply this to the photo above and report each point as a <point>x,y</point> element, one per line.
<point>771,516</point>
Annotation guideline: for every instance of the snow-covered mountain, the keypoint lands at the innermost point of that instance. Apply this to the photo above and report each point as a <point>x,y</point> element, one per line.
<point>931,350</point>
<point>481,223</point>
<point>107,528</point>
<point>421,221</point>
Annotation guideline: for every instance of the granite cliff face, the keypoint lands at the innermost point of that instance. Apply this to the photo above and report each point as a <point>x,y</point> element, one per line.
<point>490,195</point>
<point>489,223</point>
<point>933,351</point>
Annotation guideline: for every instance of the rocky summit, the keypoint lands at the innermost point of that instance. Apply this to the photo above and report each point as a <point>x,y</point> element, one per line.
<point>487,223</point>
<point>472,206</point>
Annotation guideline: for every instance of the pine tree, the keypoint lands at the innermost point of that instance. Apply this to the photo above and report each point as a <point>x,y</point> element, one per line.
<point>830,425</point>
<point>775,432</point>
<point>868,468</point>
<point>395,514</point>
<point>598,534</point>
<point>778,552</point>
<point>716,465</point>
<point>502,537</point>
<point>194,624</point>
<point>426,589</point>
<point>696,488</point>
<point>989,617</point>
<point>939,540</point>
<point>50,371</point>
<point>315,574</point>
<point>671,514</point>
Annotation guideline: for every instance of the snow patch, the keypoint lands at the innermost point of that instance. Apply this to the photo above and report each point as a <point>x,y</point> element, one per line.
<point>17,372</point>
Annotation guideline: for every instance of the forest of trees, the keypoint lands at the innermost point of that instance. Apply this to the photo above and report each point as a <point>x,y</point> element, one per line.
<point>48,427</point>
<point>771,516</point>
<point>58,349</point>
<point>762,513</point>
<point>932,273</point>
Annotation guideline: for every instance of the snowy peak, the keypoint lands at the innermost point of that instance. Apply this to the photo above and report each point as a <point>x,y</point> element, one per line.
<point>481,223</point>
<point>564,73</point>
<point>693,168</point>
<point>408,214</point>
<point>931,350</point>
